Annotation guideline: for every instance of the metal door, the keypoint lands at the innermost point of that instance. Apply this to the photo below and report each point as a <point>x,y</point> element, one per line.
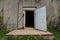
<point>40,19</point>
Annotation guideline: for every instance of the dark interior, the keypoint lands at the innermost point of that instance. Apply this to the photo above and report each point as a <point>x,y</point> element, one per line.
<point>29,21</point>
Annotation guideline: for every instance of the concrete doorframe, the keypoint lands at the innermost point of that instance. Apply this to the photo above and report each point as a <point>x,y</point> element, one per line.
<point>24,11</point>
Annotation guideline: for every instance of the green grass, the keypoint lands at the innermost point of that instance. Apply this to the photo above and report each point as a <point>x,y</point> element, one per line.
<point>25,38</point>
<point>56,33</point>
<point>2,34</point>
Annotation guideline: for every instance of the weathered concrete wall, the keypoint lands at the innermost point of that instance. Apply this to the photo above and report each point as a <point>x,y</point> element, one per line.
<point>1,4</point>
<point>52,12</point>
<point>10,13</point>
<point>1,7</point>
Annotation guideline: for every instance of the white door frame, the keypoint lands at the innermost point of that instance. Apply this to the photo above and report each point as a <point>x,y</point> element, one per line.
<point>24,10</point>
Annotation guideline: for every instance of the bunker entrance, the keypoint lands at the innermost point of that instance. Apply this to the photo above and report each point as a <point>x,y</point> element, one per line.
<point>29,19</point>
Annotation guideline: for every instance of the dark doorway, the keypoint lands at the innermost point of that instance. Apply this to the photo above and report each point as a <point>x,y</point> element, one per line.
<point>29,19</point>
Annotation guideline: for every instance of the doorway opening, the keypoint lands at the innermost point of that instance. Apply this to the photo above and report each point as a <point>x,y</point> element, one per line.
<point>29,19</point>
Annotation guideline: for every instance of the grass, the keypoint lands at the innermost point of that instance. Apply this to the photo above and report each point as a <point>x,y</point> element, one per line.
<point>25,38</point>
<point>56,33</point>
<point>2,34</point>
